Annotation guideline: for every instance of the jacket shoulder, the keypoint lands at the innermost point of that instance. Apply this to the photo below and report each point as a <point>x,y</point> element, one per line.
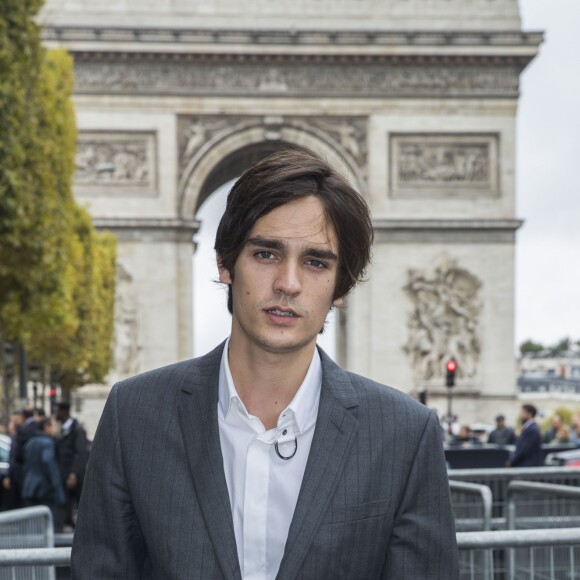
<point>372,392</point>
<point>172,376</point>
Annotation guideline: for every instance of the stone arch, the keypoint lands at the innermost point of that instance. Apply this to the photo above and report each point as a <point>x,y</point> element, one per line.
<point>229,151</point>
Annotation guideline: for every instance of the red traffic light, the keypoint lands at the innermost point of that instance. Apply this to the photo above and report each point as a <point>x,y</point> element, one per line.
<point>52,393</point>
<point>451,366</point>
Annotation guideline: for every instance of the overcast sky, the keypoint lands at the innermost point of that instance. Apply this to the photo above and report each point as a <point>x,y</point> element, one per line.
<point>548,193</point>
<point>548,190</point>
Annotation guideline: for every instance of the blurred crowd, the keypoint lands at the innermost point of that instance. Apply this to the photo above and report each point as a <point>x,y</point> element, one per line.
<point>555,431</point>
<point>48,458</point>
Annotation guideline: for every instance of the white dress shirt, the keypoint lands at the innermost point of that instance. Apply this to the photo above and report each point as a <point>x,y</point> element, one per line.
<point>263,488</point>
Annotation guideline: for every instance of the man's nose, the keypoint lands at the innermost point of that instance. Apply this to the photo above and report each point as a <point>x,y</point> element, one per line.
<point>288,278</point>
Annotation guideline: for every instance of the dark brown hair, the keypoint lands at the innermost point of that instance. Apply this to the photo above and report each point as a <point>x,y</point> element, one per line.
<point>530,409</point>
<point>284,177</point>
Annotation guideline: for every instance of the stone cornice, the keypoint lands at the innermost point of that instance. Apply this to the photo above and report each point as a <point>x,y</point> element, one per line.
<point>446,231</point>
<point>288,40</point>
<point>497,60</point>
<point>149,229</point>
<point>508,225</point>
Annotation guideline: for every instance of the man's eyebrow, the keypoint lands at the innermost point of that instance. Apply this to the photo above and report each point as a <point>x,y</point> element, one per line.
<point>271,244</point>
<point>321,254</point>
<point>265,243</point>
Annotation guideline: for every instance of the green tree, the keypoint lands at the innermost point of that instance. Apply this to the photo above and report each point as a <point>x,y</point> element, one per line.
<point>561,347</point>
<point>56,272</point>
<point>81,352</point>
<point>529,347</point>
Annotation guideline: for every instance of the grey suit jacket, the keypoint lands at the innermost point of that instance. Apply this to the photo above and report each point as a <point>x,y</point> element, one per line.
<point>374,501</point>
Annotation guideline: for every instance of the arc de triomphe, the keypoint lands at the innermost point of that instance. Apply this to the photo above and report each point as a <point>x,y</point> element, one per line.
<point>415,100</point>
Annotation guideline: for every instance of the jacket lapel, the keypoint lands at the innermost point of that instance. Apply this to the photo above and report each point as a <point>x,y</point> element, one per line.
<point>199,426</point>
<point>332,441</point>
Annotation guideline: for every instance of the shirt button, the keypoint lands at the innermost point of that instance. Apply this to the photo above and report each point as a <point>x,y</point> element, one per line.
<point>285,431</point>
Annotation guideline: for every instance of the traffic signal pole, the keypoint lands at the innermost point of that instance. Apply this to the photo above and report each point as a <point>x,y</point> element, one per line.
<point>451,369</point>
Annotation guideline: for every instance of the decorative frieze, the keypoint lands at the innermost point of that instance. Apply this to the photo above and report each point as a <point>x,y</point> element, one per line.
<point>444,321</point>
<point>443,165</point>
<point>347,135</point>
<point>116,163</point>
<point>253,76</point>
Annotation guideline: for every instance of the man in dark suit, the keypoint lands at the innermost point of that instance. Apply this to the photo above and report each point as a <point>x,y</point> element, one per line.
<point>73,456</point>
<point>264,459</point>
<point>528,451</point>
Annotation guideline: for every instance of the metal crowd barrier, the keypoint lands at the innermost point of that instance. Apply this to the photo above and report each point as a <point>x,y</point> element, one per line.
<point>27,528</point>
<point>532,505</point>
<point>483,555</point>
<point>550,554</point>
<point>471,506</point>
<point>498,479</point>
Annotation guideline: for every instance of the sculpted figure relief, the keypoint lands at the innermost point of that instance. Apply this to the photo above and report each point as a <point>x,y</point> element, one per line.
<point>112,162</point>
<point>444,320</point>
<point>443,163</point>
<point>126,347</point>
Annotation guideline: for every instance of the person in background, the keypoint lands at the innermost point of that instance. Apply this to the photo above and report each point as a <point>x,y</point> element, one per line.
<point>501,435</point>
<point>575,429</point>
<point>551,434</point>
<point>42,484</point>
<point>10,483</point>
<point>25,426</point>
<point>39,413</point>
<point>528,451</point>
<point>563,436</point>
<point>73,456</point>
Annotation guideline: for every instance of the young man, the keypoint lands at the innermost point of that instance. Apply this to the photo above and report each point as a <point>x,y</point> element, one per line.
<point>528,452</point>
<point>264,459</point>
<point>73,456</point>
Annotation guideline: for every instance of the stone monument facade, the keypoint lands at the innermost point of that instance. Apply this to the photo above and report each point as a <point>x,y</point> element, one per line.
<point>414,100</point>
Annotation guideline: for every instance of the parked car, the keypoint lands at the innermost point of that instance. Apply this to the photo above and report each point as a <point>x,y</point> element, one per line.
<point>569,458</point>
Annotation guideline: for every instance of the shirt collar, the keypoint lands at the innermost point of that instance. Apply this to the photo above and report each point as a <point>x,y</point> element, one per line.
<point>303,407</point>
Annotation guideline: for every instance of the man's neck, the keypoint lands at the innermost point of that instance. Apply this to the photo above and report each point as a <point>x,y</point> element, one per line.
<point>267,382</point>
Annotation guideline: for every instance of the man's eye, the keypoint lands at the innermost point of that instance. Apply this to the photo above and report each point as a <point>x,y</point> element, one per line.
<point>264,255</point>
<point>316,264</point>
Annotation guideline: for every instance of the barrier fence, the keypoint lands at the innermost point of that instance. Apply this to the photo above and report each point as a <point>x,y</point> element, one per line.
<point>498,480</point>
<point>483,555</point>
<point>550,554</point>
<point>471,506</point>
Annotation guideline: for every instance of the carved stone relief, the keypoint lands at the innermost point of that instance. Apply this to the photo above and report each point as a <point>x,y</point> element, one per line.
<point>116,163</point>
<point>339,79</point>
<point>440,165</point>
<point>443,323</point>
<point>348,135</point>
<point>126,345</point>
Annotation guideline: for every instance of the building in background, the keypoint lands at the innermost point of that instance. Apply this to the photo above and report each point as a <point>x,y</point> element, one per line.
<point>414,100</point>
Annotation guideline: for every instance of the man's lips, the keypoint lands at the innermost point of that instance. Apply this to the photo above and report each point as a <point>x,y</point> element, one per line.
<point>281,311</point>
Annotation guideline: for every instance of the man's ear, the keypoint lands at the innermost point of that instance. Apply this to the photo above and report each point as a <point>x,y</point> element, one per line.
<point>225,277</point>
<point>338,302</point>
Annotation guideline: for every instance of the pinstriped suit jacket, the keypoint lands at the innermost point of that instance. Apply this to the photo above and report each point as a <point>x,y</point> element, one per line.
<point>374,501</point>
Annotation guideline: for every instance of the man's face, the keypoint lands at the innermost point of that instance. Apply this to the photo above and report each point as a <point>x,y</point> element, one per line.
<point>284,279</point>
<point>524,416</point>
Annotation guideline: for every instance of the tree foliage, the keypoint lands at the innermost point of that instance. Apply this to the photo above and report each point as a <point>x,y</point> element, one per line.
<point>529,347</point>
<point>56,273</point>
